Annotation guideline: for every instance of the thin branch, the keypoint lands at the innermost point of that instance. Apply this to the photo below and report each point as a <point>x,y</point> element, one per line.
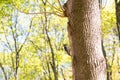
<point>113,56</point>
<point>49,72</point>
<point>35,45</point>
<point>104,5</point>
<point>25,38</point>
<point>13,34</point>
<point>54,7</point>
<point>9,47</point>
<point>53,64</point>
<point>107,64</point>
<point>3,70</point>
<point>44,71</point>
<point>37,13</point>
<point>8,44</point>
<point>12,61</point>
<point>15,46</point>
<point>60,5</point>
<point>63,74</point>
<point>118,63</point>
<point>19,49</point>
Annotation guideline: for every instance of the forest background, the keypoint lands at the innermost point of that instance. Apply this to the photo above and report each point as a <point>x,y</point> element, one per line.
<point>32,35</point>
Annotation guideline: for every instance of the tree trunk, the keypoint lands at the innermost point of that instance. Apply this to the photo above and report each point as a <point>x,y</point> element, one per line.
<point>117,5</point>
<point>84,32</point>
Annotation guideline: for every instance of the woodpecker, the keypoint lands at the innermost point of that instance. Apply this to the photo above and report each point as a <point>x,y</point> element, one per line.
<point>67,49</point>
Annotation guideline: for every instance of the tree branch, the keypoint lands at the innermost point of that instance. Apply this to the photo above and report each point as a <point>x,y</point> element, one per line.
<point>3,70</point>
<point>60,5</point>
<point>37,13</point>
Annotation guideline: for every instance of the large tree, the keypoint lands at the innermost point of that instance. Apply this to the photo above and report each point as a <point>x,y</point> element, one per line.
<point>84,33</point>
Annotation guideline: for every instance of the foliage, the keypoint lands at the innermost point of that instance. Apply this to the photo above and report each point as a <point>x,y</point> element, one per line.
<point>23,25</point>
<point>111,42</point>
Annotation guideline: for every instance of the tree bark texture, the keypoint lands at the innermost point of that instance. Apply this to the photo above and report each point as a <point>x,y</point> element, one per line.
<point>84,32</point>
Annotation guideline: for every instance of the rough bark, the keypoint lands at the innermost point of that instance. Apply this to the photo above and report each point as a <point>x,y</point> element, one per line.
<point>84,32</point>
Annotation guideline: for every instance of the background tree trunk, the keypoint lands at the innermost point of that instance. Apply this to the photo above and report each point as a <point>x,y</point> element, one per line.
<point>85,38</point>
<point>117,7</point>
